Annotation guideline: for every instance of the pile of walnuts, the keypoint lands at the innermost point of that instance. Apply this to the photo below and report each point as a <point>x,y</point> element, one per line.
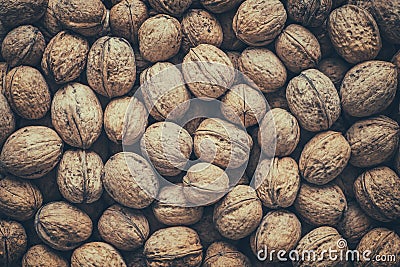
<point>328,177</point>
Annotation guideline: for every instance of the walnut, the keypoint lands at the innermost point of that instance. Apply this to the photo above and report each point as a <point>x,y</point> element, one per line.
<point>277,99</point>
<point>220,6</point>
<point>18,12</point>
<point>259,22</point>
<point>365,4</point>
<point>263,68</point>
<point>14,242</point>
<point>42,255</point>
<point>224,254</point>
<point>27,92</point>
<point>126,17</point>
<point>31,152</point>
<point>177,246</point>
<point>4,68</point>
<point>322,35</point>
<point>229,40</point>
<point>345,180</point>
<point>368,88</point>
<point>320,205</point>
<point>77,115</point>
<point>23,46</point>
<point>130,180</point>
<point>239,213</point>
<point>65,57</point>
<point>387,16</point>
<point>298,48</point>
<point>124,228</point>
<point>372,141</point>
<point>62,226</point>
<point>335,69</point>
<point>173,8</point>
<point>136,259</point>
<point>97,254</point>
<point>7,120</point>
<point>309,13</point>
<point>354,34</point>
<point>206,229</point>
<point>277,182</point>
<point>313,99</point>
<point>160,38</point>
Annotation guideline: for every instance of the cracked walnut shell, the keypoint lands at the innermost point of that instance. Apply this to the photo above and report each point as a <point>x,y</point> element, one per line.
<point>97,254</point>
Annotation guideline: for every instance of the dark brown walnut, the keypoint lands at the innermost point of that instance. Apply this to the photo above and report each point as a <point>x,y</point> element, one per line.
<point>234,57</point>
<point>79,176</point>
<point>65,57</point>
<point>355,223</point>
<point>15,13</point>
<point>224,254</point>
<point>335,68</point>
<point>395,61</point>
<point>368,88</point>
<point>378,193</point>
<point>7,120</point>
<point>277,99</point>
<point>19,199</point>
<point>354,33</point>
<point>97,254</point>
<point>259,22</point>
<point>313,100</point>
<point>220,6</point>
<point>23,46</point>
<point>322,35</point>
<point>14,242</point>
<point>298,48</point>
<point>200,27</point>
<point>309,13</point>
<point>320,240</point>
<point>263,68</point>
<point>277,182</point>
<point>321,205</point>
<point>365,4</point>
<point>282,140</point>
<point>206,229</point>
<point>177,246</point>
<point>3,33</point>
<point>27,92</point>
<point>380,241</point>
<point>278,230</point>
<point>49,23</point>
<point>160,38</point>
<point>31,152</point>
<point>387,16</point>
<point>136,259</point>
<point>173,8</point>
<point>324,157</point>
<point>125,120</point>
<point>124,228</point>
<point>42,255</point>
<point>373,141</point>
<point>229,40</point>
<point>345,180</point>
<point>130,180</point>
<point>239,213</point>
<point>111,68</point>
<point>77,115</point>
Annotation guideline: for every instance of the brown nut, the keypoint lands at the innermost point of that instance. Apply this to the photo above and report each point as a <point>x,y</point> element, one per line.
<point>368,88</point>
<point>62,226</point>
<point>31,152</point>
<point>239,213</point>
<point>309,13</point>
<point>42,255</point>
<point>313,100</point>
<point>27,92</point>
<point>229,40</point>
<point>206,229</point>
<point>77,115</point>
<point>220,6</point>
<point>124,228</point>
<point>298,48</point>
<point>7,120</point>
<point>321,205</point>
<point>15,13</point>
<point>14,242</point>
<point>136,259</point>
<point>387,16</point>
<point>65,57</point>
<point>97,254</point>
<point>278,99</point>
<point>23,46</point>
<point>259,22</point>
<point>277,182</point>
<point>173,8</point>
<point>4,68</point>
<point>354,34</point>
<point>335,68</point>
<point>345,180</point>
<point>372,141</point>
<point>224,254</point>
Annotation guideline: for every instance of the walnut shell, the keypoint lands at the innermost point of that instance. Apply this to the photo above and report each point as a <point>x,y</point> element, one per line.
<point>77,115</point>
<point>18,12</point>
<point>27,92</point>
<point>31,152</point>
<point>130,180</point>
<point>298,48</point>
<point>263,68</point>
<point>160,38</point>
<point>259,22</point>
<point>369,88</point>
<point>97,254</point>
<point>345,180</point>
<point>222,143</point>
<point>387,16</point>
<point>206,229</point>
<point>124,228</point>
<point>65,57</point>
<point>229,40</point>
<point>7,120</point>
<point>4,68</point>
<point>354,34</point>
<point>378,193</point>
<point>23,46</point>
<point>79,176</point>
<point>224,254</point>
<point>309,13</point>
<point>277,182</point>
<point>320,205</point>
<point>365,4</point>
<point>136,259</point>
<point>62,226</point>
<point>239,213</point>
<point>14,242</point>
<point>220,6</point>
<point>173,8</point>
<point>278,99</point>
<point>335,68</point>
<point>372,141</point>
<point>313,100</point>
<point>42,255</point>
